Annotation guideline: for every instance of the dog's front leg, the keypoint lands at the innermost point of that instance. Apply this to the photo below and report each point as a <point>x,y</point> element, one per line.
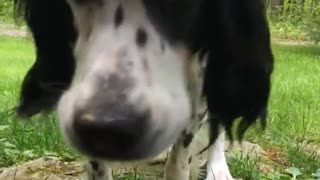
<point>97,170</point>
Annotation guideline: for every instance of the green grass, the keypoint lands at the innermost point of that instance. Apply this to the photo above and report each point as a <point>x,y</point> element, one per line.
<point>21,141</point>
<point>294,103</point>
<point>294,114</point>
<point>294,109</point>
<point>245,166</point>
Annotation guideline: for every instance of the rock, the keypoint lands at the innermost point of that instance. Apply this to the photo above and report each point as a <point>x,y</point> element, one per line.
<point>49,168</point>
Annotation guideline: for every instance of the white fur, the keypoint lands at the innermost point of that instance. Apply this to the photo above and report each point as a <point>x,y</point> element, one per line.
<point>217,168</point>
<point>98,51</point>
<point>178,166</point>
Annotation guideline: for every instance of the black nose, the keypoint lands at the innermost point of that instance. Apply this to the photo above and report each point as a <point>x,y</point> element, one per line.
<point>110,136</point>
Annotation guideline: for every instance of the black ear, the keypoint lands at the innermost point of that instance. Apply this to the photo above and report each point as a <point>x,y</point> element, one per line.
<point>51,25</point>
<point>240,64</point>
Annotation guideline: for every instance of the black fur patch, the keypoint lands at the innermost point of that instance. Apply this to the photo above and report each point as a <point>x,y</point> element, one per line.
<point>142,37</point>
<point>187,140</point>
<point>238,73</point>
<point>51,24</point>
<point>119,16</point>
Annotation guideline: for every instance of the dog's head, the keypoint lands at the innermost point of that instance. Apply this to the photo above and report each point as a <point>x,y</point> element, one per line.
<point>125,64</point>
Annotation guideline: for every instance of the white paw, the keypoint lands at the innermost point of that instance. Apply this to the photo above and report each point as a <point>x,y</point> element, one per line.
<point>218,172</point>
<point>217,167</point>
<point>220,175</point>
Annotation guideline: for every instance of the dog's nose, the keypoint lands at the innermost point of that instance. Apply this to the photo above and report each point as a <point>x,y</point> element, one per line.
<point>110,135</point>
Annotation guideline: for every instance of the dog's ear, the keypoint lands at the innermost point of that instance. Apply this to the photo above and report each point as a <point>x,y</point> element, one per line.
<point>51,25</point>
<point>240,64</point>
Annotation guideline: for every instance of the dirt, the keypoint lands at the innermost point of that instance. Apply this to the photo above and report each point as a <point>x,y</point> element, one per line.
<point>52,168</point>
<point>13,31</point>
<point>290,42</point>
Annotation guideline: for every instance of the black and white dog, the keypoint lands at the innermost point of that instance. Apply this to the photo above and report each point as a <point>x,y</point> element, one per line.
<point>123,76</point>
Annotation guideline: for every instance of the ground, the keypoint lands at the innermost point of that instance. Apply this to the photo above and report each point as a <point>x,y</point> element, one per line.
<point>53,168</point>
<point>290,144</point>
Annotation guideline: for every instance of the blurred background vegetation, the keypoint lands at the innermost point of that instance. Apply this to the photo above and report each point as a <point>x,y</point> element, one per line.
<point>295,19</point>
<point>289,19</point>
<point>6,10</point>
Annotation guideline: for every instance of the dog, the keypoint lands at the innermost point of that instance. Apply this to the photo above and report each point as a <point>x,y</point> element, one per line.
<point>128,77</point>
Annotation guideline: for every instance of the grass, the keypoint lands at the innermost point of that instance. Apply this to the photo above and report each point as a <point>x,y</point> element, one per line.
<point>294,108</point>
<point>22,141</point>
<point>245,166</point>
<point>293,115</point>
